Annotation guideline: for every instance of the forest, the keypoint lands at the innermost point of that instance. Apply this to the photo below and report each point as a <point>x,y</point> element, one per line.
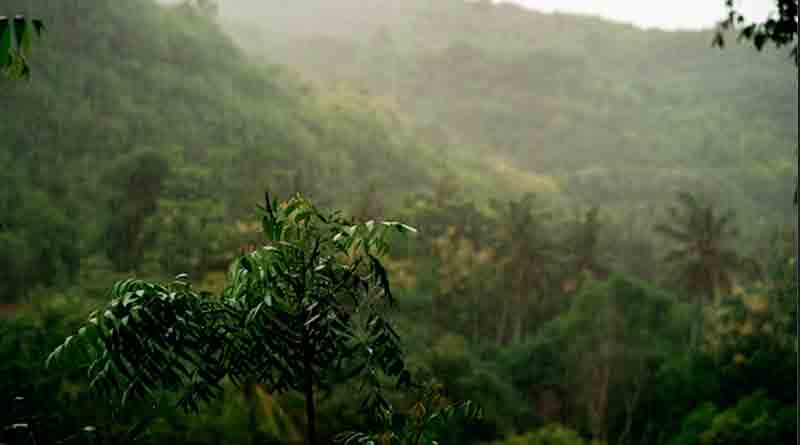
<point>393,222</point>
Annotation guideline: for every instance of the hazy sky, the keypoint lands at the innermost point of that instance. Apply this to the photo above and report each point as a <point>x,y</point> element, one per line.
<point>673,14</point>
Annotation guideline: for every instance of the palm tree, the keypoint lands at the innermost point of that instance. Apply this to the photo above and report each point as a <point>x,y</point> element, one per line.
<point>528,258</point>
<point>587,256</point>
<point>702,259</point>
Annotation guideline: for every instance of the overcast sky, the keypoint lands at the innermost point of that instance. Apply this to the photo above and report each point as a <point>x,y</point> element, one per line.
<point>672,14</point>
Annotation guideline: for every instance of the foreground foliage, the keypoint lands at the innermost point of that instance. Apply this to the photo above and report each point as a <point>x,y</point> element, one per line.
<point>15,44</point>
<point>302,313</point>
<point>162,131</point>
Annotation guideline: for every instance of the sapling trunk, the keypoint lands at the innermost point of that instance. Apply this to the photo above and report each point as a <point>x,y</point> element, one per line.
<point>311,431</point>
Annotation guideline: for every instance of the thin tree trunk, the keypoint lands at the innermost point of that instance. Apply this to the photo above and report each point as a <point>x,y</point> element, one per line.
<point>705,301</point>
<point>630,407</point>
<point>519,315</point>
<point>476,326</point>
<point>696,332</point>
<point>311,431</point>
<point>501,326</point>
<point>602,377</point>
<point>252,405</point>
<point>436,302</point>
<point>598,404</point>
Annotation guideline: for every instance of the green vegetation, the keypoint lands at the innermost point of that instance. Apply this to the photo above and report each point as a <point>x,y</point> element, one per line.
<point>117,136</point>
<point>579,276</point>
<point>300,314</point>
<point>779,30</point>
<point>15,44</point>
<point>613,115</point>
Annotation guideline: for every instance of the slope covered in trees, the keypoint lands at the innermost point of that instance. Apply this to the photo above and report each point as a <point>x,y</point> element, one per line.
<point>144,129</point>
<point>615,114</point>
<point>555,281</point>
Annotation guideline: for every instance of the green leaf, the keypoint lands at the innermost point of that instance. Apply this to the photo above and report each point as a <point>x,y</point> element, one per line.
<point>293,205</point>
<point>135,431</point>
<point>5,41</point>
<point>268,227</point>
<point>759,40</point>
<point>110,315</point>
<point>400,227</point>
<point>21,33</point>
<point>128,392</point>
<point>303,216</point>
<point>253,314</point>
<point>383,277</point>
<point>247,263</point>
<point>38,26</point>
<point>53,355</point>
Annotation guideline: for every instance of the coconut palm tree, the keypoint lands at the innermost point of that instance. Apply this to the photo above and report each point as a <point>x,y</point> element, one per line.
<point>528,257</point>
<point>702,259</point>
<point>586,254</point>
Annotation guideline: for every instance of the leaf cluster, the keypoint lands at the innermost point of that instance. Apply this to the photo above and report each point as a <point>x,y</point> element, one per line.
<point>780,30</point>
<point>307,308</point>
<point>15,43</point>
<point>426,422</point>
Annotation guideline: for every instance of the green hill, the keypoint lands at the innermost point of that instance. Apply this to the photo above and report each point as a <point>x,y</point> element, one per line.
<point>148,133</point>
<point>144,129</point>
<point>616,114</point>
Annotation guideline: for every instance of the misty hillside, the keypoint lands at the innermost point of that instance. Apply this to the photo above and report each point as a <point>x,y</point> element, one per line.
<point>611,112</point>
<point>150,112</point>
<point>484,226</point>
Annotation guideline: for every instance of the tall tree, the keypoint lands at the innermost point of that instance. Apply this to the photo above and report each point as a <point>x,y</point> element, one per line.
<point>302,313</point>
<point>527,255</point>
<point>702,260</point>
<point>136,182</point>
<point>464,278</point>
<point>586,255</point>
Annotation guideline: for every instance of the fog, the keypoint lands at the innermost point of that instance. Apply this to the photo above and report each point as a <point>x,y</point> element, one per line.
<point>680,15</point>
<point>404,222</point>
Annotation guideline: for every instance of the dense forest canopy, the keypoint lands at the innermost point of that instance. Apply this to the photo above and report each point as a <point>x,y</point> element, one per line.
<point>578,99</point>
<point>604,254</point>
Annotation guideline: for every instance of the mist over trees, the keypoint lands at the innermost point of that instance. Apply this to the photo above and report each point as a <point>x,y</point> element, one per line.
<point>492,226</point>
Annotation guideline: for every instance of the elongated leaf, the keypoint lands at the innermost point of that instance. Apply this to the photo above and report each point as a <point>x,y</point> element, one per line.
<point>383,278</point>
<point>54,355</point>
<point>38,26</point>
<point>5,41</point>
<point>21,34</point>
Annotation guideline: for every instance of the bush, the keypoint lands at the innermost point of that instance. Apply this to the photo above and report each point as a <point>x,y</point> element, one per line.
<point>755,419</point>
<point>553,434</point>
